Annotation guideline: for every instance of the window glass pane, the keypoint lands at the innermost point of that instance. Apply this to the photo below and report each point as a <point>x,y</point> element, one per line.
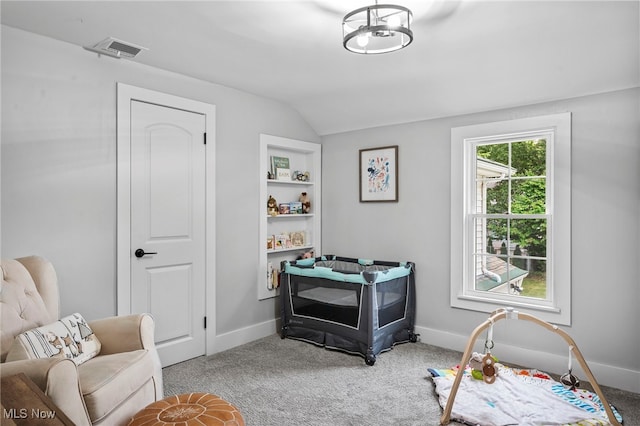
<point>528,196</point>
<point>535,283</point>
<point>528,158</point>
<point>496,234</point>
<point>492,172</point>
<point>498,274</point>
<point>498,152</point>
<point>482,242</point>
<point>489,273</point>
<point>529,235</point>
<point>497,200</point>
<point>518,257</point>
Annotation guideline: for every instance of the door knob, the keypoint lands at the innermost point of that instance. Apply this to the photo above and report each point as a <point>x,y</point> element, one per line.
<point>141,252</point>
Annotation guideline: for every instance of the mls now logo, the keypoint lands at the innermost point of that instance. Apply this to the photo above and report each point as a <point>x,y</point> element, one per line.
<point>23,413</point>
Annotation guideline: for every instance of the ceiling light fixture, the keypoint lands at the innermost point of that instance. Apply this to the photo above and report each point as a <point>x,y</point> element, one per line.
<point>377,29</point>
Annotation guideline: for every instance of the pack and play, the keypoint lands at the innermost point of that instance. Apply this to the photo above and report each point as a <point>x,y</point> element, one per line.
<point>357,306</point>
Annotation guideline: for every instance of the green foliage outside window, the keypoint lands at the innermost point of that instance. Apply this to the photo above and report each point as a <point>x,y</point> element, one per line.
<point>528,193</point>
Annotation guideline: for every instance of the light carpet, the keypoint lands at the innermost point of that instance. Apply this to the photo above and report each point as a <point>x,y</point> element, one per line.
<point>276,382</point>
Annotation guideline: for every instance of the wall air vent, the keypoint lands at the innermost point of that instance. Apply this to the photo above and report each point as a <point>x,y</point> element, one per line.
<point>116,48</point>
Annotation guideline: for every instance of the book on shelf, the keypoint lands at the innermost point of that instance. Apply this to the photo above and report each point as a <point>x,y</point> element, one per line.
<point>278,163</point>
<point>298,238</point>
<point>286,240</point>
<point>284,208</point>
<point>295,207</point>
<point>283,174</point>
<point>283,241</point>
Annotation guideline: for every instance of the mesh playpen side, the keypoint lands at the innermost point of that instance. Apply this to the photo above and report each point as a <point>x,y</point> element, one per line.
<point>356,306</point>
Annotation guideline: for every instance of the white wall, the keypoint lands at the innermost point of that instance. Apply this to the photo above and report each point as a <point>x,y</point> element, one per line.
<point>59,171</point>
<point>59,192</point>
<point>605,231</point>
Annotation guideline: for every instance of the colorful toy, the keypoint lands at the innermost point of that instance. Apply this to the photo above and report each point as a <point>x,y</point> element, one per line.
<point>481,362</point>
<point>272,206</point>
<point>483,365</point>
<point>306,255</point>
<point>568,379</point>
<point>306,203</point>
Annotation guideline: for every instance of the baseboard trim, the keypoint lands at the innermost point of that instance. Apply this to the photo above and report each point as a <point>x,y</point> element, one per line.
<point>241,336</point>
<point>607,375</point>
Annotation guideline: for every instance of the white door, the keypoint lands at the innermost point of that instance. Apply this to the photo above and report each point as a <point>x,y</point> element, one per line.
<point>168,226</point>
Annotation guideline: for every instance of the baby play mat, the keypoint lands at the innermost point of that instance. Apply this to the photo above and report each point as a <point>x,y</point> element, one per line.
<point>518,397</point>
<point>491,394</point>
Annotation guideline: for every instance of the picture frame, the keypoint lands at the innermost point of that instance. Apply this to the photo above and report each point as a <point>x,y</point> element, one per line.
<point>379,174</point>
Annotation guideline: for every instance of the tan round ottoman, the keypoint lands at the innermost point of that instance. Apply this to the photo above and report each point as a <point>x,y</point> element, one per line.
<point>189,409</point>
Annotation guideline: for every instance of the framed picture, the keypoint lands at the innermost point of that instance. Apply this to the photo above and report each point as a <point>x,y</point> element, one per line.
<point>379,174</point>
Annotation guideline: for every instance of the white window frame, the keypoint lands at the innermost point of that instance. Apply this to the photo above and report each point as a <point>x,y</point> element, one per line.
<point>556,308</point>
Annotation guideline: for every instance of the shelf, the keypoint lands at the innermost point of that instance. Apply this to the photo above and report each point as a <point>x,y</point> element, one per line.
<point>290,216</point>
<point>300,155</point>
<point>284,250</point>
<point>288,182</point>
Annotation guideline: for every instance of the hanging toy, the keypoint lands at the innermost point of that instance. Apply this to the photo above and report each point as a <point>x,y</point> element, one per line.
<point>488,369</point>
<point>568,379</point>
<point>476,365</point>
<point>483,366</point>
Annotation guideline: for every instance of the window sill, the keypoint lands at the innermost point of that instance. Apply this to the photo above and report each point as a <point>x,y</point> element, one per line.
<point>552,314</point>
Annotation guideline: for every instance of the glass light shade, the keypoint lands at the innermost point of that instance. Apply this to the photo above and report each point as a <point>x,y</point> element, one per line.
<point>387,27</point>
<point>362,40</point>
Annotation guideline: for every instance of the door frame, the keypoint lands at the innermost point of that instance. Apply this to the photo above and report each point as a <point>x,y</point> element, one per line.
<point>125,95</point>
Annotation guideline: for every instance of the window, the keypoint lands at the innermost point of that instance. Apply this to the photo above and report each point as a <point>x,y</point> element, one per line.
<point>510,225</point>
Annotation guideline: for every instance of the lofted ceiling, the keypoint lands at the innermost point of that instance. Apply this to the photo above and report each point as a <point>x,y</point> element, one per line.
<point>467,56</point>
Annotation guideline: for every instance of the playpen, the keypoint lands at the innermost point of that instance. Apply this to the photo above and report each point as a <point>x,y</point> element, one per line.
<point>353,305</point>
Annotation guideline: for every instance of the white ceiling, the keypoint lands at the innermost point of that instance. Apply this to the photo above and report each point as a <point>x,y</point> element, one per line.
<point>467,56</point>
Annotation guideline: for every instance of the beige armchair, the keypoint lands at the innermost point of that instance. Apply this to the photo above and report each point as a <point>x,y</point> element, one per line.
<point>108,389</point>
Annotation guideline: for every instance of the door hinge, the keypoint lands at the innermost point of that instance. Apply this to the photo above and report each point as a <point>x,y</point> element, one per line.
<point>205,138</point>
<point>205,322</point>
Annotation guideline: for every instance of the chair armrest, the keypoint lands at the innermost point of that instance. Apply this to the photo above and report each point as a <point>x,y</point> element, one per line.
<point>124,334</point>
<point>58,379</point>
<point>130,333</point>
